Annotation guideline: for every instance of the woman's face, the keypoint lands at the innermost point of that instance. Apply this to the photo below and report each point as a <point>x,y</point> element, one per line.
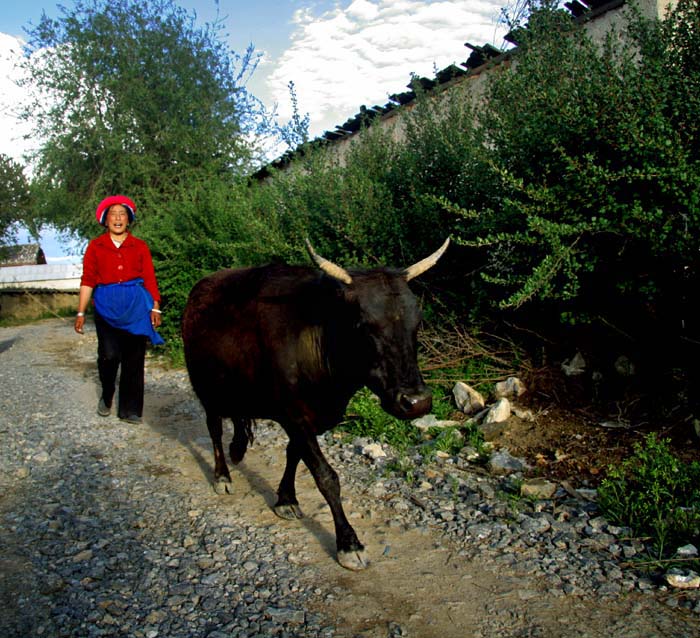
<point>117,220</point>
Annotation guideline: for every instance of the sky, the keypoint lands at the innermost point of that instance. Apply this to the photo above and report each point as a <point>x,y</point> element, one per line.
<point>340,54</point>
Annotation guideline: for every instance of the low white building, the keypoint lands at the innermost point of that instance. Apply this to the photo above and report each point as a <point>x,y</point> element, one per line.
<point>34,290</point>
<point>65,277</point>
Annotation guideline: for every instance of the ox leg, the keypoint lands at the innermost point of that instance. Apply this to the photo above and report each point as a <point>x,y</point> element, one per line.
<point>242,435</point>
<point>287,506</point>
<point>222,477</point>
<point>351,553</point>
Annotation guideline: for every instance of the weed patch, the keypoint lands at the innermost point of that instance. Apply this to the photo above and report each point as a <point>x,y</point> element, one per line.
<point>654,494</point>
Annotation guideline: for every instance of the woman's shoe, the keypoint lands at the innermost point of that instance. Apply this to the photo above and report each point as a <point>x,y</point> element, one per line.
<point>103,409</point>
<point>131,418</point>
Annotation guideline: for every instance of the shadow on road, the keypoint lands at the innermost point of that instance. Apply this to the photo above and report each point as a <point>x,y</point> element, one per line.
<point>179,417</point>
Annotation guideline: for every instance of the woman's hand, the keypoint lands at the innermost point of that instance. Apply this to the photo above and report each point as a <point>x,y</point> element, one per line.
<point>155,318</point>
<point>83,300</point>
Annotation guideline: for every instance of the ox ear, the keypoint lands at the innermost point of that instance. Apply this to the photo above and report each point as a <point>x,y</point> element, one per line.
<point>424,264</point>
<point>328,267</point>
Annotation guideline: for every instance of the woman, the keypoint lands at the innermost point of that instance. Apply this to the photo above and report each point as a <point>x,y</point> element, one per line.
<point>119,268</point>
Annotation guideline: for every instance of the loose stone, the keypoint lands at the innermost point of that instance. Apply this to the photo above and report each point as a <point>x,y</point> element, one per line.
<point>121,544</point>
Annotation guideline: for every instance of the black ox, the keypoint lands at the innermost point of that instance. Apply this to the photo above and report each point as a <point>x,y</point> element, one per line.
<point>293,344</point>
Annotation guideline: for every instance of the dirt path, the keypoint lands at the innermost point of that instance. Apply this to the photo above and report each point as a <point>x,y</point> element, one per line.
<point>417,585</point>
<point>416,581</point>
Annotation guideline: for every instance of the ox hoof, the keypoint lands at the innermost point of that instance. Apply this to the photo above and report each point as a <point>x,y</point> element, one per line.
<point>289,511</point>
<point>223,485</point>
<point>355,559</point>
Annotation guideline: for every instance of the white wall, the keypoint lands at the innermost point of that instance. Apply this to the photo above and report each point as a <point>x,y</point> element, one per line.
<point>43,276</point>
<point>597,26</point>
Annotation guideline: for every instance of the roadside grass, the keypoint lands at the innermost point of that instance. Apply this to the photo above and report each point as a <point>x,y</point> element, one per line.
<point>657,496</point>
<point>365,418</point>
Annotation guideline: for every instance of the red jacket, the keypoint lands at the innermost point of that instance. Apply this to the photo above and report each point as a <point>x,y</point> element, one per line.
<point>104,263</point>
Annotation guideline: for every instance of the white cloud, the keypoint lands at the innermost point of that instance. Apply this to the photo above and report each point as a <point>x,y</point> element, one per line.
<point>366,51</point>
<point>358,53</point>
<point>363,10</point>
<point>12,130</point>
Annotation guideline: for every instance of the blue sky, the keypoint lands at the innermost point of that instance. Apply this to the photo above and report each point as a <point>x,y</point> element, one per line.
<point>340,54</point>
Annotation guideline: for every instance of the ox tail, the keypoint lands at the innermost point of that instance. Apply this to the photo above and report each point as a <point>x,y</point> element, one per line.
<point>242,436</point>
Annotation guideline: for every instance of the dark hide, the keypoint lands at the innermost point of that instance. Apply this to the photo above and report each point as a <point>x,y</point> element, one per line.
<point>293,344</point>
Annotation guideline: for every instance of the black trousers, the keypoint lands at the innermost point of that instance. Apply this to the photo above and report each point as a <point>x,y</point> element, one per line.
<point>116,348</point>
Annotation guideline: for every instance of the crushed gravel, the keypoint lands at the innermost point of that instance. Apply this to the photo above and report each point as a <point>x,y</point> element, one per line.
<point>102,536</point>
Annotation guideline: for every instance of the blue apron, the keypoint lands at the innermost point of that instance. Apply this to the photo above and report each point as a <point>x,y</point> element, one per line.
<point>127,306</point>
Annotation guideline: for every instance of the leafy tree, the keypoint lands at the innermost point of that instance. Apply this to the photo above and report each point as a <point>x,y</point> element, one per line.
<point>597,150</point>
<point>14,198</point>
<point>594,154</point>
<point>296,132</point>
<point>134,97</point>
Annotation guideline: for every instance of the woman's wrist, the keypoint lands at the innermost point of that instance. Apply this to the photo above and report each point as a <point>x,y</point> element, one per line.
<point>80,313</point>
<point>156,310</point>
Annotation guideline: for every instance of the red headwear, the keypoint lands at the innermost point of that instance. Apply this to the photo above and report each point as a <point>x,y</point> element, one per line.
<point>104,205</point>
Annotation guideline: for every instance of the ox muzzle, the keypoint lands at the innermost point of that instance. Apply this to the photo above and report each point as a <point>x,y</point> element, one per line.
<point>412,404</point>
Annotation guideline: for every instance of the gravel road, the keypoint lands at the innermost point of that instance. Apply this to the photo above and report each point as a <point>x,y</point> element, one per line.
<point>112,529</point>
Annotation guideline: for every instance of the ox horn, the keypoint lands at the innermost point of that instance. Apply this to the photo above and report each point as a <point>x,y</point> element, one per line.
<point>328,267</point>
<point>424,264</point>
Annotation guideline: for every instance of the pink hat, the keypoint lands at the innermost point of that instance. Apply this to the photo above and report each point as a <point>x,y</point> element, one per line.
<point>104,205</point>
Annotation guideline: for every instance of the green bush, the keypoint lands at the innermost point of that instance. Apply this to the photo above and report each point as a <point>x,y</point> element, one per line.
<point>596,150</point>
<point>654,494</point>
<point>209,225</point>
